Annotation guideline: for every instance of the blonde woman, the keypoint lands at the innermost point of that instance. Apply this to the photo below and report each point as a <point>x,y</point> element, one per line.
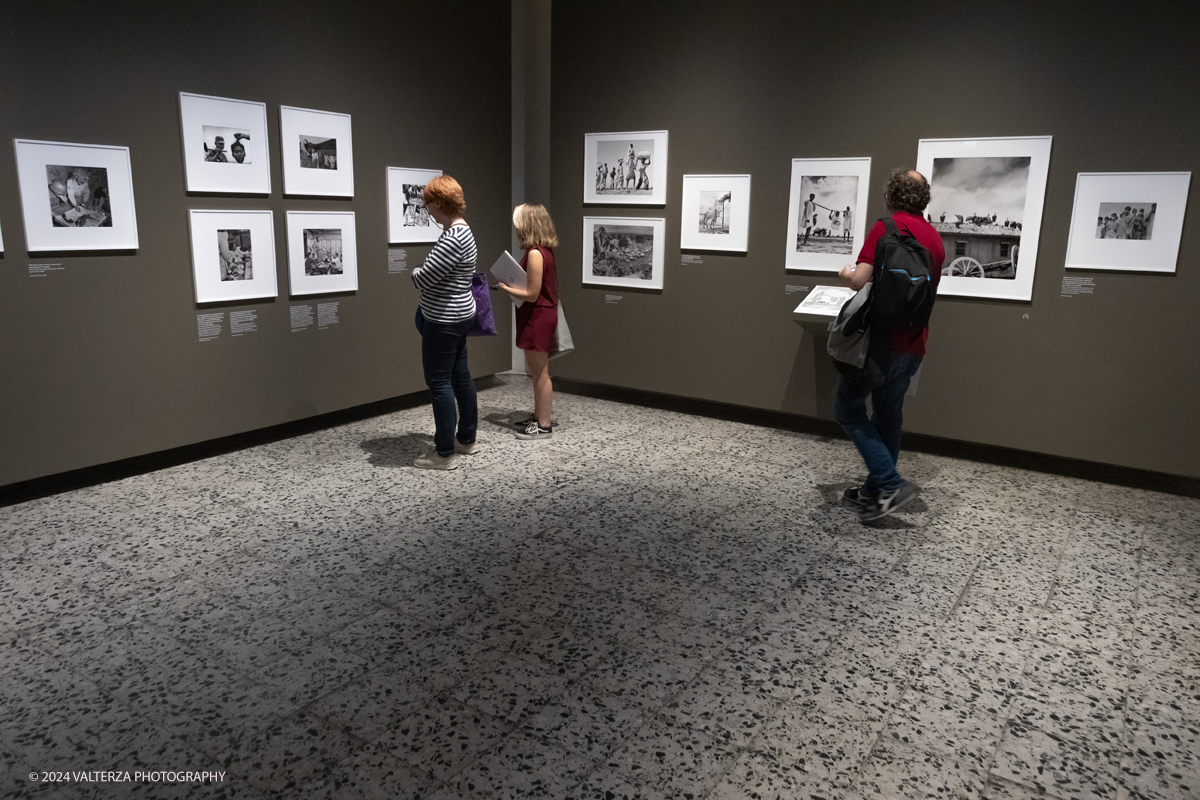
<point>537,319</point>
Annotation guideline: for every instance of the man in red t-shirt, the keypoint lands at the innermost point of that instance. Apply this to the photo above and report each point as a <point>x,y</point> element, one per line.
<point>897,353</point>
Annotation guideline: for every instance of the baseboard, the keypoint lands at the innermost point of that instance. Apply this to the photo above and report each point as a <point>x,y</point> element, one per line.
<point>918,442</point>
<point>82,478</point>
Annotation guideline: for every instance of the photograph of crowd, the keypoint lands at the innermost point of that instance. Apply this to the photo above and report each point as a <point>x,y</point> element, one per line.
<point>1126,221</point>
<point>624,168</point>
<point>827,204</point>
<point>623,251</point>
<point>215,140</point>
<point>322,251</point>
<point>318,152</point>
<point>79,196</point>
<point>233,247</point>
<point>416,215</point>
<point>714,211</point>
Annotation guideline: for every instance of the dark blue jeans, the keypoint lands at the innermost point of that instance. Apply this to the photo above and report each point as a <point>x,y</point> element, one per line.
<point>877,438</point>
<point>444,357</point>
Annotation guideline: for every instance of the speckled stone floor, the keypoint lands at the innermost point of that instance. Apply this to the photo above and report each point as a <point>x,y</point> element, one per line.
<point>650,605</point>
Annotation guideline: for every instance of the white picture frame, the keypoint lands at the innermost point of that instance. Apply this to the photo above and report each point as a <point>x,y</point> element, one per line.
<point>319,243</point>
<point>615,251</point>
<point>219,264</point>
<point>649,149</point>
<point>238,123</point>
<point>841,182</point>
<point>1006,178</point>
<point>408,222</point>
<point>1138,245</point>
<point>317,152</point>
<point>716,213</point>
<point>1,240</point>
<point>76,196</point>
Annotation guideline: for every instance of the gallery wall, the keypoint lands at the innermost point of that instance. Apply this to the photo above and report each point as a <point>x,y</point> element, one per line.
<point>1111,376</point>
<point>100,353</point>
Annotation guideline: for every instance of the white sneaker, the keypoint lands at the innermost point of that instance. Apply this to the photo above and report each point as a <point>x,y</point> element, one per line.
<point>432,460</point>
<point>468,449</point>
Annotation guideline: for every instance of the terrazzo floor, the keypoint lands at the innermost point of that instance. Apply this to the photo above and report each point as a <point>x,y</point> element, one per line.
<point>650,605</point>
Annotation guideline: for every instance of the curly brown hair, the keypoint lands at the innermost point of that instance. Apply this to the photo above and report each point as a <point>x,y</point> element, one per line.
<point>907,190</point>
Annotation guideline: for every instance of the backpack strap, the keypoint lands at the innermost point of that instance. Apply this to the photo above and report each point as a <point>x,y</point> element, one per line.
<point>889,226</point>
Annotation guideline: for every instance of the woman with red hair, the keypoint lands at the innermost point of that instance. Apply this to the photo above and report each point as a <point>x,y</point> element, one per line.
<point>448,309</point>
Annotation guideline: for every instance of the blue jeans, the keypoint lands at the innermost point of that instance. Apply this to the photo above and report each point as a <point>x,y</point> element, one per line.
<point>877,438</point>
<point>444,357</point>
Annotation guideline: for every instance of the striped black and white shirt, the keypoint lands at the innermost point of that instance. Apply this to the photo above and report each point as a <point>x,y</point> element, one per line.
<point>445,277</point>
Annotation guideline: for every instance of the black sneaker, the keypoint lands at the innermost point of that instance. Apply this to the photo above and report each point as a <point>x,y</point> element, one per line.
<point>536,431</point>
<point>858,497</point>
<point>888,502</point>
<point>524,423</point>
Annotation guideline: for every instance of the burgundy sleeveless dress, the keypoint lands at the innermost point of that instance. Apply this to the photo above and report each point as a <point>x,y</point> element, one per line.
<point>537,321</point>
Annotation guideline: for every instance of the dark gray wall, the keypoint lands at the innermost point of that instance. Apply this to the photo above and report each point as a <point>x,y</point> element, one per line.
<point>101,360</point>
<point>1112,377</point>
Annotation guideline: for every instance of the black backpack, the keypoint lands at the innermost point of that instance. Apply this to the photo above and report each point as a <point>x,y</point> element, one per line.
<point>903,292</point>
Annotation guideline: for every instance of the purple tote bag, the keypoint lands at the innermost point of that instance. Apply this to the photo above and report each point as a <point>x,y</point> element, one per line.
<point>485,321</point>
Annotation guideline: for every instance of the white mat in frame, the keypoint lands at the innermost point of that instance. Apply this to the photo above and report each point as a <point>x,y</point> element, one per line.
<point>1103,236</point>
<point>318,152</point>
<point>233,254</point>
<point>624,251</point>
<point>408,221</point>
<point>212,165</point>
<point>987,182</point>
<point>819,188</point>
<point>76,196</point>
<point>322,252</point>
<point>716,213</point>
<point>608,176</point>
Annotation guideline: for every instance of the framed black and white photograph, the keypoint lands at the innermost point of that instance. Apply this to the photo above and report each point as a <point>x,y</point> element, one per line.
<point>827,207</point>
<point>1129,221</point>
<point>318,152</point>
<point>322,252</point>
<point>987,205</point>
<point>408,219</point>
<point>625,168</point>
<point>225,145</point>
<point>233,254</point>
<point>624,251</point>
<point>76,196</point>
<point>716,213</point>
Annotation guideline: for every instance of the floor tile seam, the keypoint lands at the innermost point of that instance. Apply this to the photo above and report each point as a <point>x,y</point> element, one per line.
<point>775,704</point>
<point>761,751</point>
<point>137,660</point>
<point>224,632</point>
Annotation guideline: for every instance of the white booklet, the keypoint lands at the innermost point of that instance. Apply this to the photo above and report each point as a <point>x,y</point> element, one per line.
<point>507,270</point>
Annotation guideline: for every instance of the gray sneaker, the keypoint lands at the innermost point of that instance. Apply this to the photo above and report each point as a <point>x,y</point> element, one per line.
<point>535,431</point>
<point>889,502</point>
<point>468,449</point>
<point>432,460</point>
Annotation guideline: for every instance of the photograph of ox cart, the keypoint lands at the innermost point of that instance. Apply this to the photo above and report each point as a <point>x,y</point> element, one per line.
<point>987,197</point>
